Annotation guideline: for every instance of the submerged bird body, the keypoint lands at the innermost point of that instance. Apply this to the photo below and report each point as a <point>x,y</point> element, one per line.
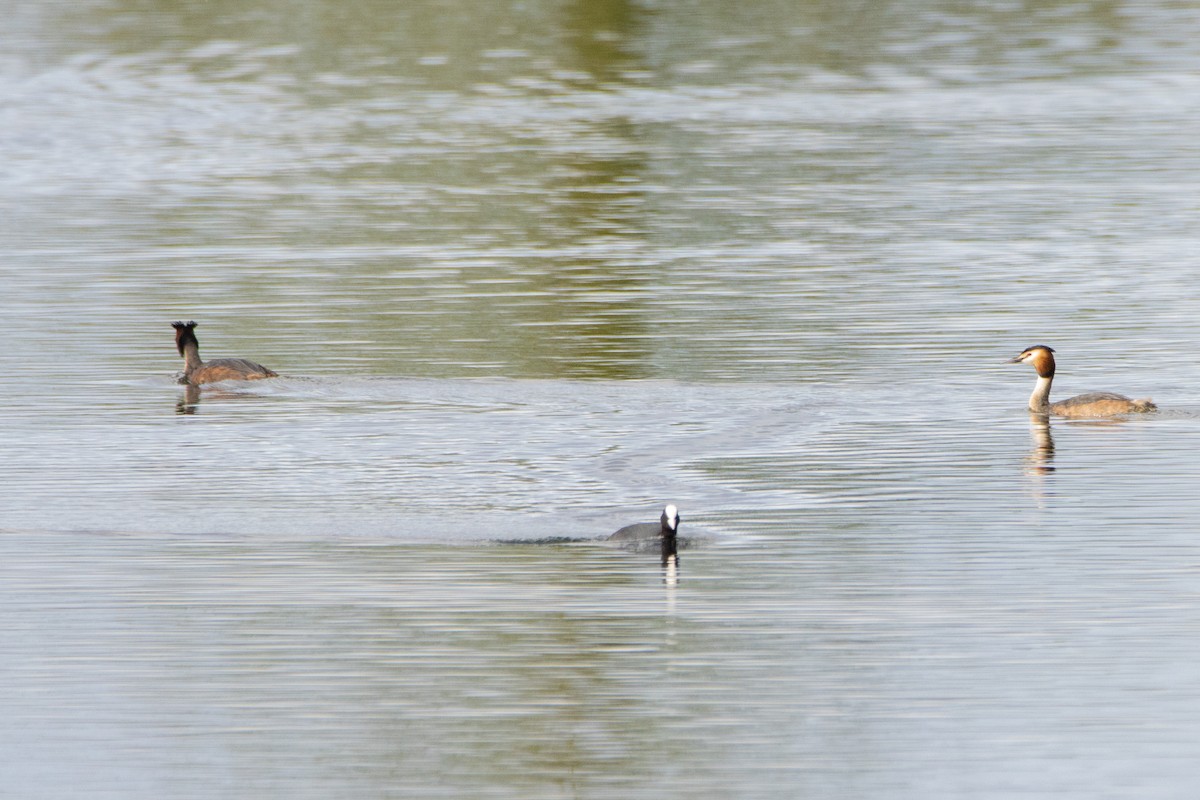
<point>1092,404</point>
<point>197,372</point>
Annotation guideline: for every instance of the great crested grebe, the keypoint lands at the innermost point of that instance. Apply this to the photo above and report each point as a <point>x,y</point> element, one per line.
<point>1092,404</point>
<point>197,372</point>
<point>666,528</point>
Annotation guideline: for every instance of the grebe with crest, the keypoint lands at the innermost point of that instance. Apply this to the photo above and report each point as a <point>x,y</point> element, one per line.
<point>197,372</point>
<point>1092,404</point>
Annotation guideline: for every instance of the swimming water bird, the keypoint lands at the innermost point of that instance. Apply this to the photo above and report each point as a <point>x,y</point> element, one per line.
<point>1093,404</point>
<point>666,528</point>
<point>647,536</point>
<point>197,372</point>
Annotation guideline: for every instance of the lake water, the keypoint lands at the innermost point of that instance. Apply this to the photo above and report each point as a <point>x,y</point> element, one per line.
<point>531,270</point>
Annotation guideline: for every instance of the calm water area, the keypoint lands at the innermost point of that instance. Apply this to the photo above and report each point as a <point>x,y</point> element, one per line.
<point>531,270</point>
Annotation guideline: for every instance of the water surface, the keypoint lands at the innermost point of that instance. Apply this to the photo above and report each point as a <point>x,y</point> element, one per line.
<point>528,272</point>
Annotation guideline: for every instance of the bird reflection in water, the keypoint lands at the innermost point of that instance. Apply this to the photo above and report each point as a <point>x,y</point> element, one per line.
<point>670,560</point>
<point>190,400</point>
<point>1040,459</point>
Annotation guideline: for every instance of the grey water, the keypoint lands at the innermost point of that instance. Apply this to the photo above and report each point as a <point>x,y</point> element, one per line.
<point>528,271</point>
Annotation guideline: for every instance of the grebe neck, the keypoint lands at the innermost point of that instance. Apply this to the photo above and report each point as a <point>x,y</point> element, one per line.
<point>191,356</point>
<point>1039,401</point>
<point>189,348</point>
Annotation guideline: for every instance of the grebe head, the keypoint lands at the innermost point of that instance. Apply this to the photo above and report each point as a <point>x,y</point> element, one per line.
<point>670,519</point>
<point>1040,357</point>
<point>184,334</point>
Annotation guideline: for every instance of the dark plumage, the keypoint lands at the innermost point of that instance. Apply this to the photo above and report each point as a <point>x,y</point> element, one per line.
<point>661,537</point>
<point>666,527</point>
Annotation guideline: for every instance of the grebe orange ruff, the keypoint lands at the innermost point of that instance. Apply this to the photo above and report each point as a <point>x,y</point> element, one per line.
<point>197,372</point>
<point>1093,404</point>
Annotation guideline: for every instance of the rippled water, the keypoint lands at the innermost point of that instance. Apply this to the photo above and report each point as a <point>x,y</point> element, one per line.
<point>529,271</point>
